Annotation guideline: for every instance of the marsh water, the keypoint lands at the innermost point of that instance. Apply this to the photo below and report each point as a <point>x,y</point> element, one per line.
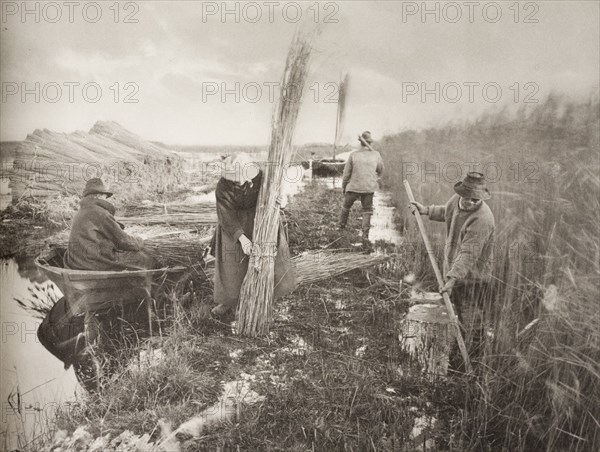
<point>33,382</point>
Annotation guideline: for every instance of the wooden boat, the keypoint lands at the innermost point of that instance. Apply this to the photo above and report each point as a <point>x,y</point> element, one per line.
<point>113,297</point>
<point>96,290</point>
<point>328,167</point>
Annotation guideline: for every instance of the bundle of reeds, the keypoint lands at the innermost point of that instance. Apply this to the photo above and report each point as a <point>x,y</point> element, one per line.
<point>256,296</point>
<point>168,246</point>
<point>131,211</point>
<point>208,216</point>
<point>186,249</point>
<point>341,112</point>
<point>322,264</point>
<point>319,265</point>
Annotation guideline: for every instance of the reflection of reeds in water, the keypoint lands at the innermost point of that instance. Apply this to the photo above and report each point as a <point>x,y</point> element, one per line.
<point>539,390</point>
<point>256,297</point>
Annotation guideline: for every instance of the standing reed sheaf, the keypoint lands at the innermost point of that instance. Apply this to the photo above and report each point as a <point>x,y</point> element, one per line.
<point>256,296</point>
<point>341,112</point>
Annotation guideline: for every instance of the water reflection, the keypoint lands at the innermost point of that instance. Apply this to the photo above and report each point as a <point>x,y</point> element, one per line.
<point>33,381</point>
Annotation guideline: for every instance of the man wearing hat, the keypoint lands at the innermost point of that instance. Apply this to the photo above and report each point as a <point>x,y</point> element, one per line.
<point>468,253</point>
<point>359,181</point>
<point>96,237</point>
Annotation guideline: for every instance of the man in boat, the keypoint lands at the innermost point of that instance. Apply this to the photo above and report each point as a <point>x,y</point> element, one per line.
<point>468,253</point>
<point>97,241</point>
<point>359,181</point>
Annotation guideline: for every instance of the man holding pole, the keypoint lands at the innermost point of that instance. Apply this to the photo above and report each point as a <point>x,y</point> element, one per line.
<point>359,181</point>
<point>468,253</point>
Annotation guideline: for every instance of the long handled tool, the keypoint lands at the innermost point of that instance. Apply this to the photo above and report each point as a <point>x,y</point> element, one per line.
<point>362,140</point>
<point>440,280</point>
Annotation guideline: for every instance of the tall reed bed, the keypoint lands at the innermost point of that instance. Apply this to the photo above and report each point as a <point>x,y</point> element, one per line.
<point>538,379</point>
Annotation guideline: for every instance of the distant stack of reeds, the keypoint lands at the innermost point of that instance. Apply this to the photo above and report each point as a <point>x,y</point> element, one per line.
<point>256,297</point>
<point>48,163</point>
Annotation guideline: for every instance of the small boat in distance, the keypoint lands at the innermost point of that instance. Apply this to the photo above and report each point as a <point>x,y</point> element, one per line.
<point>331,166</point>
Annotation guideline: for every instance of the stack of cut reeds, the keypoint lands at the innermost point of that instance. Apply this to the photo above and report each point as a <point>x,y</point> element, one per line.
<point>132,211</point>
<point>256,295</point>
<point>183,250</point>
<point>168,246</point>
<point>206,217</point>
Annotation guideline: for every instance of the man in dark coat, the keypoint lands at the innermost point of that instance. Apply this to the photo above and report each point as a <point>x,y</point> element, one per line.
<point>97,241</point>
<point>237,195</point>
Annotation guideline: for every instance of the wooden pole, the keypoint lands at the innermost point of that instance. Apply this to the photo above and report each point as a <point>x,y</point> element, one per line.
<point>360,138</point>
<point>440,280</point>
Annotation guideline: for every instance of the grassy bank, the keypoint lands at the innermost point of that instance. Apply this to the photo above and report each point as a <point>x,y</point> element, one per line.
<point>538,390</point>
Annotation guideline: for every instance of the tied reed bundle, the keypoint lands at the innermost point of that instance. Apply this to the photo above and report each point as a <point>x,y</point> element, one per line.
<point>209,216</point>
<point>256,295</point>
<point>184,250</point>
<point>319,265</point>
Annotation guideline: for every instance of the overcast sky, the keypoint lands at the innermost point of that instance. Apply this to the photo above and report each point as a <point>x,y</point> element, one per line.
<point>178,56</point>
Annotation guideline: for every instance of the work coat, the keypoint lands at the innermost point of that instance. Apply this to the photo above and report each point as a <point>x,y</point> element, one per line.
<point>236,210</point>
<point>469,248</point>
<point>362,170</point>
<point>96,239</point>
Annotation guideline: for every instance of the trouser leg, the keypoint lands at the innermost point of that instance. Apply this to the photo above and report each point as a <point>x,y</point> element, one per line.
<point>467,299</point>
<point>366,225</point>
<point>366,200</point>
<point>349,199</point>
<point>344,218</point>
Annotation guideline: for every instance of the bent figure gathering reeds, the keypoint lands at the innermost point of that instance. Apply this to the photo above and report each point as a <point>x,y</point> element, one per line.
<point>237,195</point>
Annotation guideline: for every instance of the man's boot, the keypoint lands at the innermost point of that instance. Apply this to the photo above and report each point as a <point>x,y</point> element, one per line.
<point>366,225</point>
<point>344,218</point>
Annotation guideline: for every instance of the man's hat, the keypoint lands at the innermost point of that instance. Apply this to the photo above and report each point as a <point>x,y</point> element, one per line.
<point>366,137</point>
<point>472,186</point>
<point>96,186</point>
<point>240,168</point>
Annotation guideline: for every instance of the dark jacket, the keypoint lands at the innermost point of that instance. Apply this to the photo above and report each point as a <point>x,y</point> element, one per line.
<point>236,210</point>
<point>96,238</point>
